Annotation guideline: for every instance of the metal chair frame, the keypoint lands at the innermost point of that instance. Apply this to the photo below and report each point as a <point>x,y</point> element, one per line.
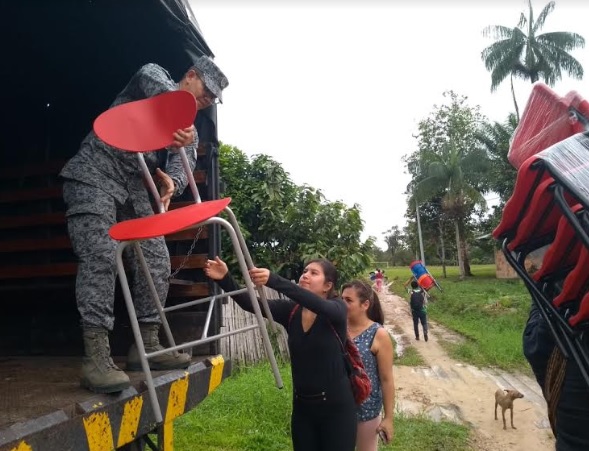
<point>568,338</point>
<point>245,262</point>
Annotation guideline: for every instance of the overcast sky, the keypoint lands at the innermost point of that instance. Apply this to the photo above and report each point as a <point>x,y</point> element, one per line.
<point>333,90</point>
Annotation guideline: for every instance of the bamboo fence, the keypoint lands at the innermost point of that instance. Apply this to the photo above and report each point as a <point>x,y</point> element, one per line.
<point>247,348</point>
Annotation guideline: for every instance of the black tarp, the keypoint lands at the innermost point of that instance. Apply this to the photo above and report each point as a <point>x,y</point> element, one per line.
<point>62,62</point>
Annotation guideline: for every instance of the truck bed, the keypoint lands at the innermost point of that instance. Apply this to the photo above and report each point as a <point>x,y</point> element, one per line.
<point>42,404</point>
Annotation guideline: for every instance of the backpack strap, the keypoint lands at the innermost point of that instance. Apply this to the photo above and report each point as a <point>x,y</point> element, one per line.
<point>292,312</point>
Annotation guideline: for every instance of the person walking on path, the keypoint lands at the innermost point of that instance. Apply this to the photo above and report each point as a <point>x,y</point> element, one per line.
<point>418,309</point>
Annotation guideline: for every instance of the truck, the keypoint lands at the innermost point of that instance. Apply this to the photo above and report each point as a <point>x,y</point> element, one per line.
<point>62,65</point>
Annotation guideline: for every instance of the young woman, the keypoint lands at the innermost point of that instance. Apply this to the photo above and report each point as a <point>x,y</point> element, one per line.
<point>324,412</point>
<point>365,319</point>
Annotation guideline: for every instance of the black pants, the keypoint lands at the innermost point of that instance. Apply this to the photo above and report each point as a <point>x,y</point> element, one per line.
<point>572,411</point>
<point>419,315</point>
<point>325,423</point>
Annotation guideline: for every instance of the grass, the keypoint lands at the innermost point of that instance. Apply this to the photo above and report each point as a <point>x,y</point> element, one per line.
<point>410,357</point>
<point>247,412</point>
<point>490,313</point>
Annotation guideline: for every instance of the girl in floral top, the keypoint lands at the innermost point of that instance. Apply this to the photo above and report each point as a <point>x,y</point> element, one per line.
<point>365,319</point>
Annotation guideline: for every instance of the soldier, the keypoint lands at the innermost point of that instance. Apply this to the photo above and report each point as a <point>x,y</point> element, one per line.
<point>104,185</point>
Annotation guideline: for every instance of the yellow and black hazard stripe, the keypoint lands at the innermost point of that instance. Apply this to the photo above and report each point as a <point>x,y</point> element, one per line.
<point>108,422</point>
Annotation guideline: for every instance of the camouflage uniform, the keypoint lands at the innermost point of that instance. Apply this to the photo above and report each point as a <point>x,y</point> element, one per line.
<point>104,185</point>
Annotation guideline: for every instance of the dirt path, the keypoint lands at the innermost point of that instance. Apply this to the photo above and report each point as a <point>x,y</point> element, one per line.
<point>448,389</point>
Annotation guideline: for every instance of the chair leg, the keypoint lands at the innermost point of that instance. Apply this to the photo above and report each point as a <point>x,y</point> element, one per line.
<point>154,295</point>
<point>136,332</point>
<point>252,294</point>
<point>250,264</point>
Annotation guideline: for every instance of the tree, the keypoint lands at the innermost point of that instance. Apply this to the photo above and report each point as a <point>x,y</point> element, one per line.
<point>495,140</point>
<point>395,241</point>
<point>286,225</point>
<point>449,165</point>
<point>525,53</point>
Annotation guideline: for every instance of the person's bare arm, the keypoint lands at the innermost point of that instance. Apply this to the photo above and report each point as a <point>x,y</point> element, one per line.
<point>383,349</point>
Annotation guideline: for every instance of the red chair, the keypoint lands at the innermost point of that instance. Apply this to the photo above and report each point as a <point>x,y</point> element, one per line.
<point>564,250</point>
<point>529,176</point>
<point>540,218</point>
<point>581,318</point>
<point>575,281</point>
<point>546,120</point>
<point>148,125</point>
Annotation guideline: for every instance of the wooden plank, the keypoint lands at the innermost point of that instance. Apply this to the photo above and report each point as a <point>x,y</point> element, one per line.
<point>63,242</point>
<point>51,168</point>
<point>31,170</point>
<point>195,261</point>
<point>40,270</point>
<point>188,235</point>
<point>30,194</point>
<point>200,289</point>
<point>55,192</point>
<point>32,244</point>
<point>38,219</point>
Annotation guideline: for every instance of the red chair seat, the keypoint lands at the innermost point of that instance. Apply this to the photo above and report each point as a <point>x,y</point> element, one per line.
<point>564,250</point>
<point>541,216</point>
<point>167,223</point>
<point>148,124</point>
<point>575,281</point>
<point>527,180</point>
<point>582,316</point>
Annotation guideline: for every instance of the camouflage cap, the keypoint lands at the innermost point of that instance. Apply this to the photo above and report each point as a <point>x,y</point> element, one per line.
<point>212,76</point>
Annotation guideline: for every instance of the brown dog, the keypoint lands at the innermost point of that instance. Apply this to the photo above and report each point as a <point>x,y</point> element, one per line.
<point>505,398</point>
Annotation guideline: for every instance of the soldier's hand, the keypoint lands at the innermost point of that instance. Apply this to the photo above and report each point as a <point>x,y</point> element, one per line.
<point>166,187</point>
<point>184,137</point>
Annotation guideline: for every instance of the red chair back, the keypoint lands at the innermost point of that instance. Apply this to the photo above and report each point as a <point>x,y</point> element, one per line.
<point>148,124</point>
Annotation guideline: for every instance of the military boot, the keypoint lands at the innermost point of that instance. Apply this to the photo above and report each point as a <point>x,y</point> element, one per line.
<point>99,373</point>
<point>171,360</point>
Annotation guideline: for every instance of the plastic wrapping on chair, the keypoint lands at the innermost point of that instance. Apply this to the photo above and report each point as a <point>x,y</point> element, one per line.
<point>546,120</point>
<point>570,160</point>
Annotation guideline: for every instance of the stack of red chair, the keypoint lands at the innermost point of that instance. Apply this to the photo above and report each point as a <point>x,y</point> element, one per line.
<point>549,210</point>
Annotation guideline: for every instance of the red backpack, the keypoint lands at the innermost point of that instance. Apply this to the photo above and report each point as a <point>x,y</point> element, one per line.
<point>359,380</point>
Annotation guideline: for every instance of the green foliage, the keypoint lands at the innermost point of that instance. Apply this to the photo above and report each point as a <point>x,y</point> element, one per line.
<point>522,52</point>
<point>248,413</point>
<point>288,225</point>
<point>491,313</point>
<point>449,169</point>
<point>495,140</point>
<point>396,242</point>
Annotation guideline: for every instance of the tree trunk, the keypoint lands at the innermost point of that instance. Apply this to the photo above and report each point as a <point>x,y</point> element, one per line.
<point>443,251</point>
<point>514,101</point>
<point>464,250</point>
<point>459,250</point>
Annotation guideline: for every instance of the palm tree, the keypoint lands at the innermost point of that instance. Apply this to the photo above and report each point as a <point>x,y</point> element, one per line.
<point>523,52</point>
<point>453,175</point>
<point>495,139</point>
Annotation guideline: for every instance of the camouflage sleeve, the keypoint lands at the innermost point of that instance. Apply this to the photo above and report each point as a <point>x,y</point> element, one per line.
<point>150,80</point>
<point>175,169</point>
